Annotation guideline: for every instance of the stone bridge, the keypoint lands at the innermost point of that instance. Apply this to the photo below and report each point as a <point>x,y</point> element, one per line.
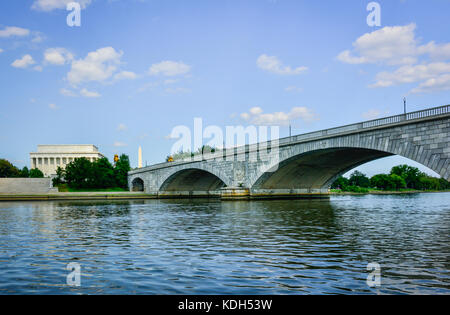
<point>304,165</point>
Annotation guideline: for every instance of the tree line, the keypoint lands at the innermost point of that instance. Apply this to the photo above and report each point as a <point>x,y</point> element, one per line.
<point>8,170</point>
<point>204,150</point>
<point>400,177</point>
<point>100,174</point>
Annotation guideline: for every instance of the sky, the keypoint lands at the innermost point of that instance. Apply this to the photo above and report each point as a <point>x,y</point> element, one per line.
<point>135,69</point>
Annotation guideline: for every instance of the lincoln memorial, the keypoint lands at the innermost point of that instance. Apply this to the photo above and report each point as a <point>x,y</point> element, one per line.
<point>49,157</point>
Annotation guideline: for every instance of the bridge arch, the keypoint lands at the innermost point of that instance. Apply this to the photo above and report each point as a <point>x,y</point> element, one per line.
<point>317,165</point>
<point>193,179</point>
<point>315,169</point>
<point>137,184</point>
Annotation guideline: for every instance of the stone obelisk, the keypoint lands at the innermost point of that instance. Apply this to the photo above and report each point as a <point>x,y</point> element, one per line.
<point>140,158</point>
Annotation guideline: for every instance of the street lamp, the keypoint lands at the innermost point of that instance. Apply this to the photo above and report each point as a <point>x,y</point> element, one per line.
<point>404,105</point>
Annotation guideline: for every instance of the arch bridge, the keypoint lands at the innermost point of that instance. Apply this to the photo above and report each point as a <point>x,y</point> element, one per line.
<point>304,165</point>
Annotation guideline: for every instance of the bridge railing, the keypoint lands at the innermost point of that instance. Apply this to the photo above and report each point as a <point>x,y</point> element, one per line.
<point>385,121</point>
<point>436,111</point>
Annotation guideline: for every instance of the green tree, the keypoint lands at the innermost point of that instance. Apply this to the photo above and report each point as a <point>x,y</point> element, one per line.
<point>429,183</point>
<point>444,184</point>
<point>24,173</point>
<point>397,182</point>
<point>387,182</point>
<point>78,173</point>
<point>359,179</point>
<point>36,173</point>
<point>121,171</point>
<point>60,175</point>
<point>102,174</point>
<point>206,149</point>
<point>410,174</point>
<point>380,181</point>
<point>7,169</point>
<point>340,183</point>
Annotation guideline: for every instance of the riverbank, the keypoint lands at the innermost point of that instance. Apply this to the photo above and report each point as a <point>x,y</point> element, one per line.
<point>334,192</point>
<point>75,196</point>
<point>136,196</point>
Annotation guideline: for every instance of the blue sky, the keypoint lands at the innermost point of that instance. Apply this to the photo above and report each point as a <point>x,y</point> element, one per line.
<point>135,69</point>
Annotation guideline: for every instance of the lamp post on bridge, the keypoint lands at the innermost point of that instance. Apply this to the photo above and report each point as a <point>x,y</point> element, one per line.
<point>404,106</point>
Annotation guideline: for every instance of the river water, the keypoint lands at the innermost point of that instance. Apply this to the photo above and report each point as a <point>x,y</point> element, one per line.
<point>213,247</point>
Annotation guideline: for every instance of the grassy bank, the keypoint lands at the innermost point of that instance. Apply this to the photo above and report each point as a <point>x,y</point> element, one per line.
<point>65,188</point>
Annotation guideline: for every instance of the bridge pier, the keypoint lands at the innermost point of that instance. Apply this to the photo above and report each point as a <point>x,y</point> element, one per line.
<point>239,193</point>
<point>188,194</point>
<point>290,194</point>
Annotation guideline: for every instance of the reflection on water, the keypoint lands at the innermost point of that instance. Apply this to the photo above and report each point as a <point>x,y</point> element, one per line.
<point>212,247</point>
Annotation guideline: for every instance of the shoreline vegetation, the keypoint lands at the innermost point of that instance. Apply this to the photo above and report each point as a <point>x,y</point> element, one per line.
<point>64,188</point>
<point>338,192</point>
<point>82,175</point>
<point>8,170</point>
<point>402,179</point>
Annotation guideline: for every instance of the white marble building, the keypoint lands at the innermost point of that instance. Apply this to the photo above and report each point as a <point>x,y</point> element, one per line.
<point>49,157</point>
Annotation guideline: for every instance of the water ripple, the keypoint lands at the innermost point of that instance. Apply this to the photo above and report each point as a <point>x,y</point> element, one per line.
<point>209,247</point>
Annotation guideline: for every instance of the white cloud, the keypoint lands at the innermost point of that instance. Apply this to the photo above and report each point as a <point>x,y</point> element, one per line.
<point>57,56</point>
<point>346,57</point>
<point>86,93</point>
<point>392,45</point>
<point>398,46</point>
<point>169,68</point>
<point>440,83</point>
<point>274,65</point>
<point>24,62</point>
<point>1,50</point>
<point>256,111</point>
<point>67,92</point>
<point>38,68</point>
<point>128,75</point>
<point>14,31</point>
<point>257,117</point>
<point>436,51</point>
<point>50,5</point>
<point>98,65</point>
<point>122,127</point>
<point>53,106</point>
<point>411,74</point>
<point>119,144</point>
<point>37,37</point>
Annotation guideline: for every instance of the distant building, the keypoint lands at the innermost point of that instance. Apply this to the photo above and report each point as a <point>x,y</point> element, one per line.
<point>49,157</point>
